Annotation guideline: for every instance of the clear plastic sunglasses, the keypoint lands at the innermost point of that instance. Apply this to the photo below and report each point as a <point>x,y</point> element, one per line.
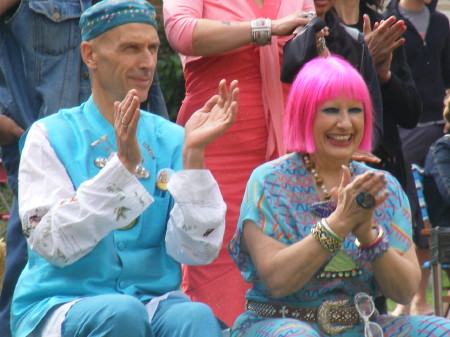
<point>365,307</point>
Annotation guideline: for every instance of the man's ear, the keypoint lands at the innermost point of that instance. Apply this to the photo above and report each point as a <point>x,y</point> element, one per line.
<point>88,54</point>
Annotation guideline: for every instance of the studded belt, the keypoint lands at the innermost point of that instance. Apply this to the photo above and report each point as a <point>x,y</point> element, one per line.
<point>330,313</point>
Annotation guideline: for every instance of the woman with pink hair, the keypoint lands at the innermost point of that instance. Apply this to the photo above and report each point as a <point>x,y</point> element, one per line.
<point>320,235</point>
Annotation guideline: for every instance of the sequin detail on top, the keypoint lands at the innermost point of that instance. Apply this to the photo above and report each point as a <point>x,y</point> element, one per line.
<point>342,266</point>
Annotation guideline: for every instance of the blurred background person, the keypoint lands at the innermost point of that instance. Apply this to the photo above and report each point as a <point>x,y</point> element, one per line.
<point>240,40</point>
<point>436,180</point>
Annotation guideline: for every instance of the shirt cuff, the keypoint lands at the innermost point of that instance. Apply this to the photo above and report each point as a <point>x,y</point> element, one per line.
<point>195,186</point>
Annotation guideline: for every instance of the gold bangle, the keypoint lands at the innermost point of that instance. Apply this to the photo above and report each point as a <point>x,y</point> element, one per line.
<point>327,241</point>
<point>331,232</point>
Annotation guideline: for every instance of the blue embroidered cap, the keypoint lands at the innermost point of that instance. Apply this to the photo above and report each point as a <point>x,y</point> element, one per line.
<point>108,14</point>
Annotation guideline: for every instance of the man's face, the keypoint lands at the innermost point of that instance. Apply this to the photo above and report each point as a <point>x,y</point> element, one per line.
<point>126,59</point>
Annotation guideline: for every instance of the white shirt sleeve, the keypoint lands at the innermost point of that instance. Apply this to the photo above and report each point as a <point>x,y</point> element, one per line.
<point>63,224</point>
<point>197,222</point>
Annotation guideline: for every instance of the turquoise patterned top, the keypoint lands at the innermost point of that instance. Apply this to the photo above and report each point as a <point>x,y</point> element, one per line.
<point>278,198</point>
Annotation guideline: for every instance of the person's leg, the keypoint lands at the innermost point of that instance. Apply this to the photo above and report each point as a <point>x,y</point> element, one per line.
<point>417,326</point>
<point>16,259</point>
<point>107,315</point>
<point>183,318</point>
<point>419,305</point>
<point>276,327</point>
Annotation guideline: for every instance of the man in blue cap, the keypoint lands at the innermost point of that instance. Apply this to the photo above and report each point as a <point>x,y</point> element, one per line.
<point>41,71</point>
<point>112,199</point>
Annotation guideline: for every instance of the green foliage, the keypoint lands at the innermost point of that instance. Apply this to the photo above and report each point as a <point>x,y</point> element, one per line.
<point>171,77</point>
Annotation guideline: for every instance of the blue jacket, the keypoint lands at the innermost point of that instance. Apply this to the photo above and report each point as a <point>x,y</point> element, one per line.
<point>436,182</point>
<point>41,70</point>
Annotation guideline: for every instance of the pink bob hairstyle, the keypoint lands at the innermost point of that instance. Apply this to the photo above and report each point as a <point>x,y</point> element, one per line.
<point>320,80</point>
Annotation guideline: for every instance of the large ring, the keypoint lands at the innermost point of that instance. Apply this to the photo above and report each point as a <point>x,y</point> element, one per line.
<point>124,124</point>
<point>365,200</point>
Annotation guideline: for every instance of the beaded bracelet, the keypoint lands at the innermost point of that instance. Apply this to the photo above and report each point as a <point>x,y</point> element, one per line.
<point>326,237</point>
<point>377,248</point>
<point>261,31</point>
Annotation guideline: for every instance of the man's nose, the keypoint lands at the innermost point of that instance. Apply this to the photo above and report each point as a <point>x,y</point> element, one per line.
<point>148,60</point>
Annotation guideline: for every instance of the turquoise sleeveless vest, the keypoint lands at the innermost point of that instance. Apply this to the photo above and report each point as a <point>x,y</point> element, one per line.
<point>132,261</point>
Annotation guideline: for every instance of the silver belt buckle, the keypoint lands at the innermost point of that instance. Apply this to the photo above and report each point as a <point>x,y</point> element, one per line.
<point>324,317</point>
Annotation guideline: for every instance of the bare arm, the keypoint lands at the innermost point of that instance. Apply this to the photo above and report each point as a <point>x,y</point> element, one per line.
<point>398,275</point>
<point>212,37</point>
<point>191,34</point>
<point>9,130</point>
<point>286,269</point>
<point>283,269</point>
<point>6,4</point>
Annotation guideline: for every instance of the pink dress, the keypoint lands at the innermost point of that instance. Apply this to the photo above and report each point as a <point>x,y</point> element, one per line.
<point>252,140</point>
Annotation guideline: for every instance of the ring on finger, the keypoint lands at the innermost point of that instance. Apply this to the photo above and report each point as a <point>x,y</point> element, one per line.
<point>309,15</point>
<point>365,200</point>
<point>124,123</point>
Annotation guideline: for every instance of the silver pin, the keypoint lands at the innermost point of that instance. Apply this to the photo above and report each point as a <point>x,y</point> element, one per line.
<point>100,162</point>
<point>98,141</point>
<point>141,172</point>
<point>149,150</point>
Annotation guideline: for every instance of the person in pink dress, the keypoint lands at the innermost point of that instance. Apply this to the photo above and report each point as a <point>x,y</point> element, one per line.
<point>235,40</point>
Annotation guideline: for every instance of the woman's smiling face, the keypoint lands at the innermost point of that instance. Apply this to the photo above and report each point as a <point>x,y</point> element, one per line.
<point>338,128</point>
